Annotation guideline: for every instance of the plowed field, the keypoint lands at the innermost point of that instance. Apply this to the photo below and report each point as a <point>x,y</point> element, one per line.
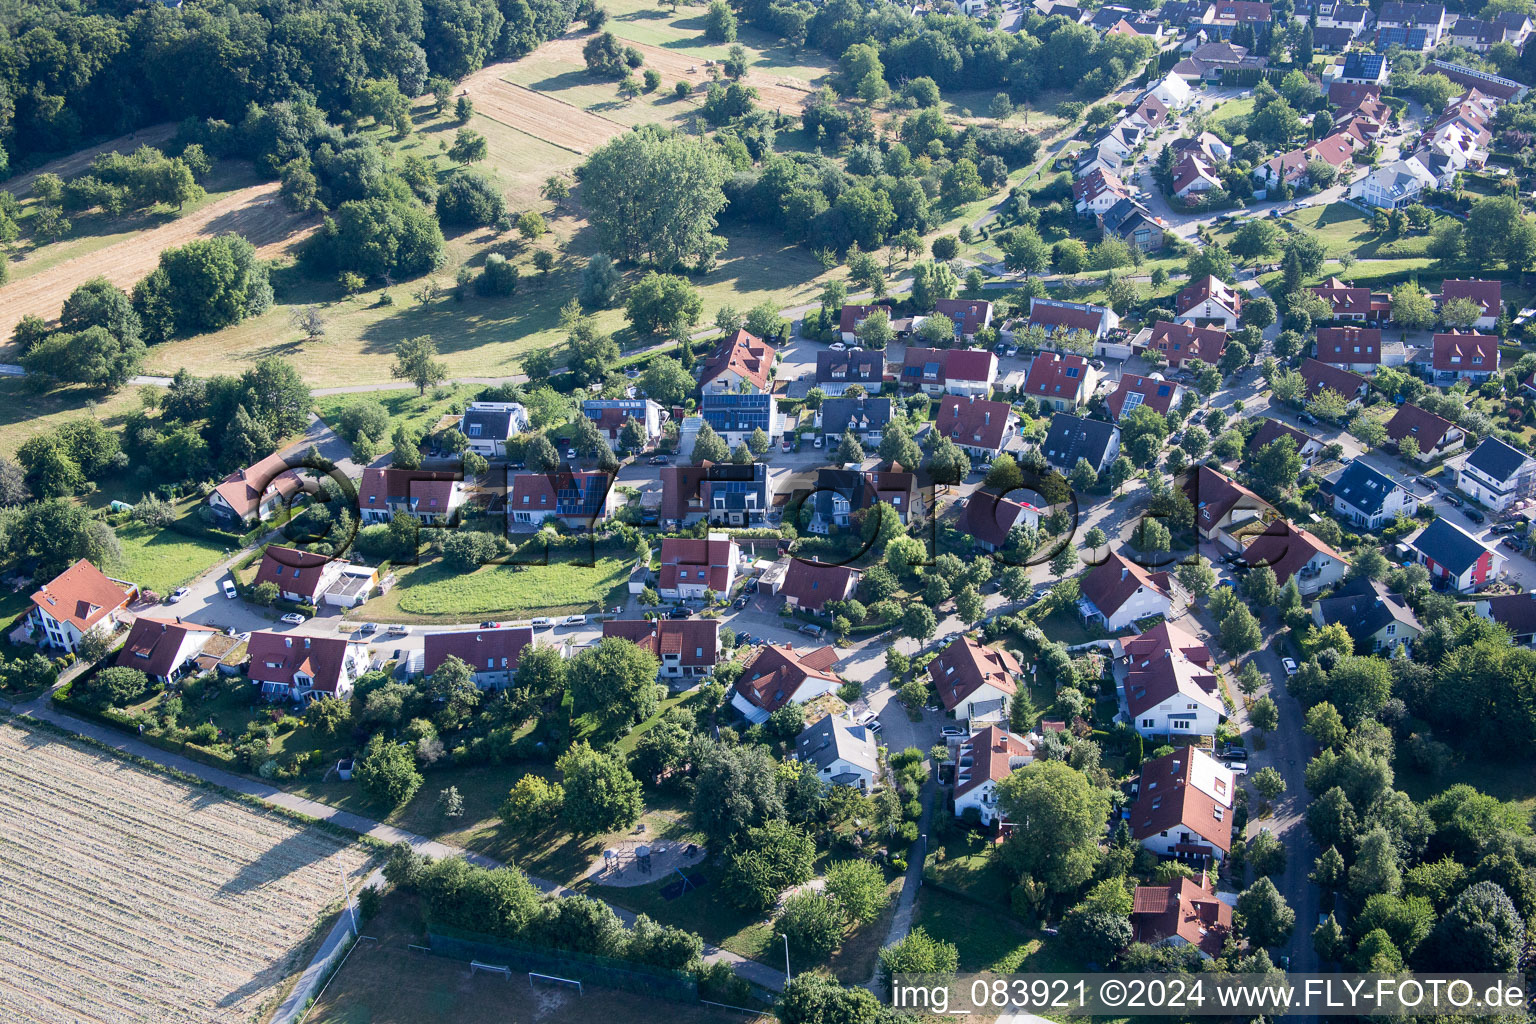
<point>543,117</point>
<point>254,212</point>
<point>133,899</point>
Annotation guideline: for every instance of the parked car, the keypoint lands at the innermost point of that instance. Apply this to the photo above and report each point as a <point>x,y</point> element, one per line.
<point>293,619</point>
<point>1451,499</point>
<point>570,453</point>
<point>490,625</point>
<point>1290,666</point>
<point>229,589</point>
<point>786,445</point>
<point>838,346</point>
<point>812,630</point>
<point>746,640</point>
<point>658,460</point>
<point>952,730</point>
<point>1308,419</point>
<point>751,587</point>
<point>819,441</point>
<point>542,622</point>
<point>1497,529</point>
<point>397,631</point>
<point>740,602</point>
<point>679,612</point>
<point>574,620</point>
<point>874,726</point>
<point>1473,514</point>
<point>1512,543</point>
<point>368,627</point>
<point>178,594</point>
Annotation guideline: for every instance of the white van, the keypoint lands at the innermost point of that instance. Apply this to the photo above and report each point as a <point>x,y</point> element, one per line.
<point>229,589</point>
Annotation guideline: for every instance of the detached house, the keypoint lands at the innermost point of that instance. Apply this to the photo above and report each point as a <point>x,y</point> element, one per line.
<point>1183,806</point>
<point>726,493</point>
<point>163,649</point>
<point>80,600</point>
<point>1390,187</point>
<point>1133,224</point>
<point>842,754</point>
<point>1307,446</point>
<point>1291,551</point>
<point>1179,343</point>
<point>742,363</point>
<point>982,428</point>
<point>1118,593</point>
<point>1224,508</point>
<point>1074,437</point>
<point>975,682</point>
<point>254,494</point>
<point>968,315</point>
<point>1515,612</point>
<point>837,371</point>
<point>865,417</point>
<point>492,655</point>
<point>1170,685</point>
<point>686,648</point>
<point>1436,437</point>
<point>300,576</point>
<point>989,518</point>
<point>808,586</point>
<point>1154,392</point>
<point>1369,498</point>
<point>1469,357</point>
<point>610,415</point>
<point>1497,475</point>
<point>1209,302</point>
<point>735,416</point>
<point>1185,912</point>
<point>982,761</point>
<point>1318,376</point>
<point>1360,305</point>
<point>1357,349</point>
<point>304,667</point>
<point>432,498</point>
<point>841,494</point>
<point>850,317</point>
<point>487,425</point>
<point>1487,294</point>
<point>1060,382</point>
<point>777,675</point>
<point>576,499</point>
<point>690,566</point>
<point>1052,315</point>
<point>952,371</point>
<point>1376,619</point>
<point>1456,560</point>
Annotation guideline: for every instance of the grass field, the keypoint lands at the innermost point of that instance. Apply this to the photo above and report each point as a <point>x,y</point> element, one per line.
<point>126,891</point>
<point>161,558</point>
<point>24,413</point>
<point>988,939</point>
<point>419,412</point>
<point>384,982</point>
<point>435,592</point>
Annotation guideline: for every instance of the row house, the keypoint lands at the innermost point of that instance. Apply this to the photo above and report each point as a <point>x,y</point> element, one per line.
<point>1504,90</point>
<point>951,371</point>
<point>836,372</point>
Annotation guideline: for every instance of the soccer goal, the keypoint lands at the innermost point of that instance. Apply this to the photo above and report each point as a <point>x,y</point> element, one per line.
<point>550,979</point>
<point>475,967</point>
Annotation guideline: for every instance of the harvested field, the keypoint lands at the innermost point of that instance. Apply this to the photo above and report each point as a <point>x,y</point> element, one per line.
<point>133,898</point>
<point>543,117</point>
<point>774,92</point>
<point>254,212</point>
<point>68,166</point>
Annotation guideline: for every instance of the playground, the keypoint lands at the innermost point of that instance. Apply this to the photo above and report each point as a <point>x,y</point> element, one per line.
<point>643,861</point>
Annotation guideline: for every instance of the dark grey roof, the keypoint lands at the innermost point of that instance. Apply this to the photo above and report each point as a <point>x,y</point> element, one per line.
<point>1515,612</point>
<point>731,484</point>
<point>1496,460</point>
<point>1449,546</point>
<point>1364,487</point>
<point>850,367</point>
<point>830,738</point>
<point>1364,607</point>
<point>494,424</point>
<point>1363,65</point>
<point>1076,437</point>
<point>837,414</point>
<point>1124,213</point>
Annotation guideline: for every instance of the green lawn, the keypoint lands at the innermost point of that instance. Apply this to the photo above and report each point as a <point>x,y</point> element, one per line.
<point>434,590</point>
<point>163,558</point>
<point>1512,781</point>
<point>419,412</point>
<point>987,937</point>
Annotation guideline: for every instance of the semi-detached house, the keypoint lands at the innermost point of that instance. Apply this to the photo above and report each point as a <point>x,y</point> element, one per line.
<point>1183,807</point>
<point>492,655</point>
<point>684,648</point>
<point>1170,684</point>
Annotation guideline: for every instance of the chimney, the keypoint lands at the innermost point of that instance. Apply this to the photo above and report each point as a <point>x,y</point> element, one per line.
<point>986,417</point>
<point>1124,572</point>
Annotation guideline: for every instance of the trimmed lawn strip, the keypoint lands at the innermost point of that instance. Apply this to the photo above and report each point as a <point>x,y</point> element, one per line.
<point>434,592</point>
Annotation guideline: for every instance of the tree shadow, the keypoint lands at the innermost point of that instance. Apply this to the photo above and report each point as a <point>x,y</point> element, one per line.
<point>572,79</point>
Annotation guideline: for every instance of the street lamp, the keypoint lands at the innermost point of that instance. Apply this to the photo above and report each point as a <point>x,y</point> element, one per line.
<point>787,975</point>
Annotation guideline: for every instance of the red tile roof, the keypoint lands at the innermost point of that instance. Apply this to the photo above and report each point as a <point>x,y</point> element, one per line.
<point>1054,315</point>
<point>483,650</point>
<point>1208,287</point>
<point>1347,301</point>
<point>278,657</point>
<point>82,595</point>
<point>429,492</point>
<point>988,518</point>
<point>1466,353</point>
<point>153,644</point>
<point>1112,583</point>
<point>1319,375</point>
<point>1420,424</point>
<point>965,666</point>
<point>1214,495</point>
<point>973,421</point>
<point>1169,800</point>
<point>1183,909</point>
<point>775,672</point>
<point>680,492</point>
<point>971,314</point>
<point>1287,549</point>
<point>813,584</point>
<point>1165,661</point>
<point>953,364</point>
<point>1349,344</point>
<point>743,354</point>
<point>1156,393</point>
<point>1181,342</point>
<point>1335,150</point>
<point>851,316</point>
<point>697,555</point>
<point>242,490</point>
<point>1096,183</point>
<point>1057,375</point>
<point>696,642</point>
<point>293,571</point>
<point>992,753</point>
<point>1349,95</point>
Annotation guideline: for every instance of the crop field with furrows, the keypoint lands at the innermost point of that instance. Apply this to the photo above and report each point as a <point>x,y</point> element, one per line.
<point>132,898</point>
